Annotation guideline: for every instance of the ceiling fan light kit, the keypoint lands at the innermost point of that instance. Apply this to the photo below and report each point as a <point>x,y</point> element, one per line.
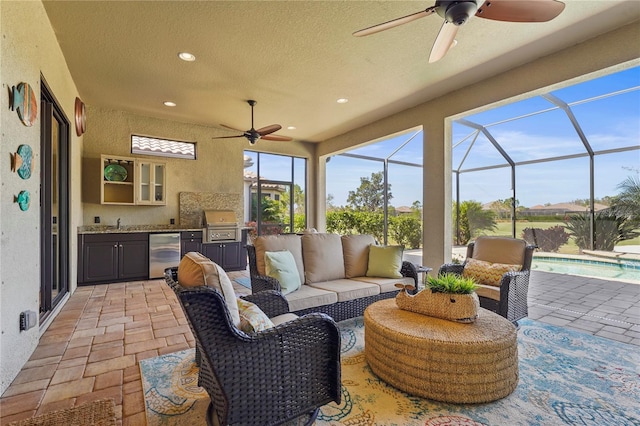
<point>253,135</point>
<point>457,12</point>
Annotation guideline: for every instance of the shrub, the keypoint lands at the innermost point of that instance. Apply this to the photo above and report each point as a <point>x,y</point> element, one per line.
<point>406,230</point>
<point>610,229</point>
<point>549,240</point>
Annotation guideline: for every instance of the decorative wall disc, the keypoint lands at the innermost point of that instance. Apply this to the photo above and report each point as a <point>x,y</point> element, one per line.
<point>25,103</point>
<point>23,199</point>
<point>80,117</point>
<point>22,161</point>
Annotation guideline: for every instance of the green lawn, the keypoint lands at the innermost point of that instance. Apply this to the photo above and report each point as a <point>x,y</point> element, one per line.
<point>504,228</point>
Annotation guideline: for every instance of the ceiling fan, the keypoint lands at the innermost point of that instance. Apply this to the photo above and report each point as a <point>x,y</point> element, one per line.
<point>458,12</point>
<point>253,135</point>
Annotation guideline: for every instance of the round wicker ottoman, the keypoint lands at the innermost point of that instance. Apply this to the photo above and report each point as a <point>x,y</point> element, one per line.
<point>441,360</point>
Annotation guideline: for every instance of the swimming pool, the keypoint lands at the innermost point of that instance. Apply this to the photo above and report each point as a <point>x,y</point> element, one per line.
<point>626,269</point>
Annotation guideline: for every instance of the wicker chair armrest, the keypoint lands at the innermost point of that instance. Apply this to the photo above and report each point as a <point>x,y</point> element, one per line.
<point>408,269</point>
<point>271,302</point>
<point>451,268</point>
<point>514,288</point>
<point>262,283</point>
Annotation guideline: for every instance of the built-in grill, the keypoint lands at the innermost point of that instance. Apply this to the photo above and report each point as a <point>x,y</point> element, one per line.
<point>220,225</point>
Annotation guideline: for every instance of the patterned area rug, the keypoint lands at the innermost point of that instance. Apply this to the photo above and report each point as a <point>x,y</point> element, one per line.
<point>566,378</point>
<point>245,282</point>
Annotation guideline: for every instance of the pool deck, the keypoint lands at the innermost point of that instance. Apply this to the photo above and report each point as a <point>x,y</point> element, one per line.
<point>604,308</point>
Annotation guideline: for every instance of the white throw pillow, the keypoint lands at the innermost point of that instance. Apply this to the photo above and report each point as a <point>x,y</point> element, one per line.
<point>282,266</point>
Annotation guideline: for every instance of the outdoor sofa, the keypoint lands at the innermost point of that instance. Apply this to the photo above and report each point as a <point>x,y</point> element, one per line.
<point>328,273</point>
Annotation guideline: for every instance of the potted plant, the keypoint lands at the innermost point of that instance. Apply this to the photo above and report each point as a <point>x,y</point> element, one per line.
<point>447,296</point>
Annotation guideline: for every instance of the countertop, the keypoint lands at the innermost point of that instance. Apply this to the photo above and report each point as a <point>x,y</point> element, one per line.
<point>112,229</point>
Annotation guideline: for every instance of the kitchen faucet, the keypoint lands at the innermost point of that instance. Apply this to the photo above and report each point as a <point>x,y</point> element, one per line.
<point>118,223</point>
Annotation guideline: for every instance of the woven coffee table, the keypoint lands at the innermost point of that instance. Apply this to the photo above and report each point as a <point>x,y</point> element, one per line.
<point>442,360</point>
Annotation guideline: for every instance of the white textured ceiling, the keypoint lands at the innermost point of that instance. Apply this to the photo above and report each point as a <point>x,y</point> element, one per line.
<point>296,58</point>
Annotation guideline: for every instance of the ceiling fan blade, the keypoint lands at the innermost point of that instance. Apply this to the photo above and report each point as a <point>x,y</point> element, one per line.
<point>444,41</point>
<point>228,137</point>
<point>277,138</point>
<point>395,22</point>
<point>263,131</point>
<point>521,10</point>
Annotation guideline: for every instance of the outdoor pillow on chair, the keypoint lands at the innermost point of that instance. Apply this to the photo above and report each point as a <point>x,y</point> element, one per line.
<point>195,270</point>
<point>252,319</point>
<point>486,272</point>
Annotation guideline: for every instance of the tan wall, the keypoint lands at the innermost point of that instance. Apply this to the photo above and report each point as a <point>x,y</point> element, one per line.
<point>217,169</point>
<point>28,47</point>
<point>585,60</point>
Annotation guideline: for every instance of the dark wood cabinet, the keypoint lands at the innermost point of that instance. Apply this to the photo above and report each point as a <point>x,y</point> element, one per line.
<point>228,255</point>
<point>113,257</point>
<point>190,241</point>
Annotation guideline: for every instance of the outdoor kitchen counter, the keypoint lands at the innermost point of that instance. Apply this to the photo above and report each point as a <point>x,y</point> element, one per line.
<point>112,229</point>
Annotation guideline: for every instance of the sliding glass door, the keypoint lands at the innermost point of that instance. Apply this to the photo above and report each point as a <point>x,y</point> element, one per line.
<point>54,203</point>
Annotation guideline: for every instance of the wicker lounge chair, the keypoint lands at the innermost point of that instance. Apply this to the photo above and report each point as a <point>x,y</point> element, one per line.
<point>268,377</point>
<point>509,298</point>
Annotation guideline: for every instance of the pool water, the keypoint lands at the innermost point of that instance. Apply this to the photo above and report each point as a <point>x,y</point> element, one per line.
<point>628,270</point>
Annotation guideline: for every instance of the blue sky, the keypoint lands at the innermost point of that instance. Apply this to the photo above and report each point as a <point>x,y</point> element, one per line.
<point>608,123</point>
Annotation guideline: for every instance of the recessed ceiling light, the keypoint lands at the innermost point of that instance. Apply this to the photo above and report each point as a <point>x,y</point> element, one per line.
<point>169,104</point>
<point>186,56</point>
<point>291,128</point>
<point>342,100</point>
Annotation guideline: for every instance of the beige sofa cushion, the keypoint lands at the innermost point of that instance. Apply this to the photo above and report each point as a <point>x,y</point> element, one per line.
<point>291,243</point>
<point>309,297</point>
<point>196,270</point>
<point>386,284</point>
<point>355,249</point>
<point>323,260</point>
<point>348,289</point>
<point>499,250</point>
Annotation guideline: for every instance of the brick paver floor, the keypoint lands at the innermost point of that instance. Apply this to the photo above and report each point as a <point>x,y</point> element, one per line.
<point>92,348</point>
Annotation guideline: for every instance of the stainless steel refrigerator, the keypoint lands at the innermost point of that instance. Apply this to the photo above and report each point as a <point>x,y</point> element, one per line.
<point>164,252</point>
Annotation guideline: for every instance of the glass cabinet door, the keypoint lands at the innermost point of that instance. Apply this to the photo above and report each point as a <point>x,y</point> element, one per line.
<point>145,183</point>
<point>151,183</point>
<point>159,183</point>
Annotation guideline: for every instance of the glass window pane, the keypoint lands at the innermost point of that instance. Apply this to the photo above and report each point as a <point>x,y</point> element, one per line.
<point>275,167</point>
<point>163,147</point>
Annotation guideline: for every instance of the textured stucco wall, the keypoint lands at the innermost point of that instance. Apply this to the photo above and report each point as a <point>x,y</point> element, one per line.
<point>28,48</point>
<point>218,168</point>
<point>585,60</point>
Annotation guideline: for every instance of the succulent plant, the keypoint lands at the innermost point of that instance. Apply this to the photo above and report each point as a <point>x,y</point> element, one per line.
<point>451,283</point>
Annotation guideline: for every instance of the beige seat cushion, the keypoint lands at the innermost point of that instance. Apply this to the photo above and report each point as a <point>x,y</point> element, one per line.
<point>355,249</point>
<point>348,289</point>
<point>386,284</point>
<point>323,260</point>
<point>488,291</point>
<point>291,243</point>
<point>195,270</point>
<point>281,319</point>
<point>499,250</point>
<point>310,297</point>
